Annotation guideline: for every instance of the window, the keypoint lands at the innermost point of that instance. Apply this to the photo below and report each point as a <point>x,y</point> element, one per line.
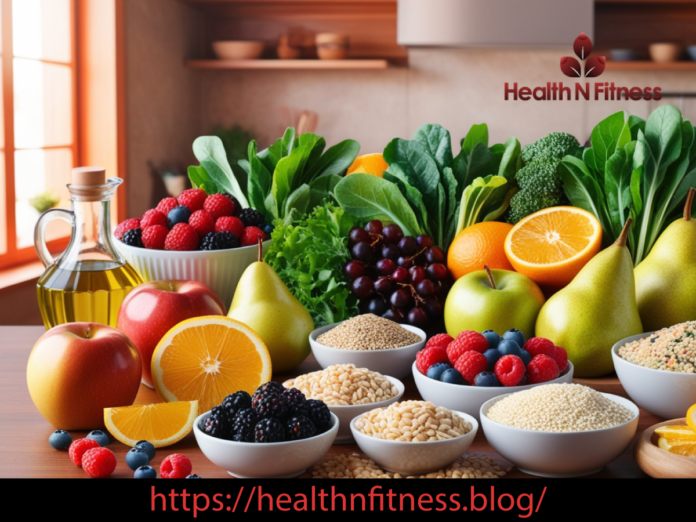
<point>38,135</point>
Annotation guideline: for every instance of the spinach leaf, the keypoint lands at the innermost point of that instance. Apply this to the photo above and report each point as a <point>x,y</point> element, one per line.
<point>437,142</point>
<point>582,189</point>
<point>210,153</point>
<point>412,195</point>
<point>322,189</point>
<point>200,180</point>
<point>617,187</point>
<point>611,133</point>
<point>478,134</point>
<point>335,160</point>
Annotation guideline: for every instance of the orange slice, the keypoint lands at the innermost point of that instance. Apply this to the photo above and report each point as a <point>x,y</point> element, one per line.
<point>676,433</point>
<point>678,447</point>
<point>369,164</point>
<point>161,424</point>
<point>551,246</point>
<point>691,417</point>
<point>207,358</point>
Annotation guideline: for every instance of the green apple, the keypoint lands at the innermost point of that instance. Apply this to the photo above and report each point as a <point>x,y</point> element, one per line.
<point>495,300</point>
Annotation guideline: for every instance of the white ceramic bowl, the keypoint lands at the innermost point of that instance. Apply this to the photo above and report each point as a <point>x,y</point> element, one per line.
<point>219,269</point>
<point>549,454</point>
<point>238,49</point>
<point>415,458</point>
<point>396,361</point>
<point>346,414</point>
<point>469,399</point>
<point>272,460</point>
<point>665,394</point>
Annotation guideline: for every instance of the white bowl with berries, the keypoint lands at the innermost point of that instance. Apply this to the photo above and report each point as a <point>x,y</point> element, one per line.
<point>195,237</point>
<point>463,373</point>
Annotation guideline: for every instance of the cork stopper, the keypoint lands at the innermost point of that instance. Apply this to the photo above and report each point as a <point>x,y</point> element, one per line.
<point>88,176</point>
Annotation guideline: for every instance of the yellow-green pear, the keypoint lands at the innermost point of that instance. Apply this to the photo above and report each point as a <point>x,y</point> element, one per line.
<point>595,311</point>
<point>264,303</point>
<point>666,279</point>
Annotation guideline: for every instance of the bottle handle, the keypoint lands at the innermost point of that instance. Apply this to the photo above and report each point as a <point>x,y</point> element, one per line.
<point>40,232</point>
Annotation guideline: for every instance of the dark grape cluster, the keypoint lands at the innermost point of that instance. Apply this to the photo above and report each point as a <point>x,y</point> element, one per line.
<point>398,277</point>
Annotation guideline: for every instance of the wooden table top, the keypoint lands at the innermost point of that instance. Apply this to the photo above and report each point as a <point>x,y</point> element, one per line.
<point>24,449</point>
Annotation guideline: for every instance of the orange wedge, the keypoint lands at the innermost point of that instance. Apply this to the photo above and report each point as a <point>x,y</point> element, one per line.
<point>369,164</point>
<point>691,417</point>
<point>161,424</point>
<point>676,433</point>
<point>207,358</point>
<point>551,246</point>
<point>686,448</point>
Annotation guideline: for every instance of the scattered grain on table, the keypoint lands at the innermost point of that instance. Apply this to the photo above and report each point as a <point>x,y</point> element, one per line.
<point>671,349</point>
<point>368,332</point>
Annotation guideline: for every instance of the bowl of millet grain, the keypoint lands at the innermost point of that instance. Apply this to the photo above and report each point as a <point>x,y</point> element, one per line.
<point>368,341</point>
<point>559,430</point>
<point>658,369</point>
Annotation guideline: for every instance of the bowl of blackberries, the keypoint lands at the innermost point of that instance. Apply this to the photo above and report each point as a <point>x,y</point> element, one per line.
<point>274,433</point>
<point>195,237</point>
<point>463,373</point>
<point>397,277</point>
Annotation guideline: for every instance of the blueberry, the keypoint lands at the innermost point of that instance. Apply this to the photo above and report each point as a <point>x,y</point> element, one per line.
<point>268,230</point>
<point>514,335</point>
<point>486,379</point>
<point>436,370</point>
<point>60,439</point>
<point>99,436</point>
<point>136,458</point>
<point>147,448</point>
<point>177,215</point>
<point>492,338</point>
<point>193,476</point>
<point>145,472</point>
<point>452,376</point>
<point>508,347</point>
<point>492,355</point>
<point>525,356</point>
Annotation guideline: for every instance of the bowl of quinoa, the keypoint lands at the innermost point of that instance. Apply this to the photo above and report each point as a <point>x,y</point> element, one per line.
<point>368,341</point>
<point>658,369</point>
<point>559,430</point>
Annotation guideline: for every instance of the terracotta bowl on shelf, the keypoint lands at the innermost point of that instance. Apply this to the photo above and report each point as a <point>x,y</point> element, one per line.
<point>665,52</point>
<point>659,463</point>
<point>238,49</point>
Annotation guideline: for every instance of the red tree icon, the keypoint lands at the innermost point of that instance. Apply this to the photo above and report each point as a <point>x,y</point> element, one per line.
<point>583,48</point>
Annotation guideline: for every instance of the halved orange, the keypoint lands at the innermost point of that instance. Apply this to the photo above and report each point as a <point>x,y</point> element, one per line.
<point>691,417</point>
<point>369,164</point>
<point>551,246</point>
<point>161,424</point>
<point>207,358</point>
<point>686,448</point>
<point>677,432</point>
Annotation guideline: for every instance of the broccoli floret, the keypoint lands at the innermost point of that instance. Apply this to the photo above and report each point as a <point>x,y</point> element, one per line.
<point>540,185</point>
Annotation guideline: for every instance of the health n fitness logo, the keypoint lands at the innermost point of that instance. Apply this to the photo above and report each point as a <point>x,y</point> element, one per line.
<point>585,67</point>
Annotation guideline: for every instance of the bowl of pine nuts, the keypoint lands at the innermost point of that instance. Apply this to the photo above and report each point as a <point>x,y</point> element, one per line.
<point>414,437</point>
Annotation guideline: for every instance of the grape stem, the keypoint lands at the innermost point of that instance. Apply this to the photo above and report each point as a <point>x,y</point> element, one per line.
<point>414,294</point>
<point>490,276</point>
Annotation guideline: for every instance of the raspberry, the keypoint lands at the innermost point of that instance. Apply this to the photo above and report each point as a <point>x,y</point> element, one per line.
<point>128,224</point>
<point>542,368</point>
<point>193,199</point>
<point>470,364</point>
<point>251,236</point>
<point>78,449</point>
<point>509,370</point>
<point>202,222</point>
<point>539,345</point>
<point>440,341</point>
<point>99,462</point>
<point>153,217</point>
<point>175,466</point>
<point>181,237</point>
<point>166,205</point>
<point>466,341</point>
<point>229,224</point>
<point>219,205</point>
<point>154,237</point>
<point>429,356</point>
<point>561,358</point>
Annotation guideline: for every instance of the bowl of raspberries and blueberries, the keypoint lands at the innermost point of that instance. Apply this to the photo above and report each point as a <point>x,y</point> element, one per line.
<point>274,433</point>
<point>463,373</point>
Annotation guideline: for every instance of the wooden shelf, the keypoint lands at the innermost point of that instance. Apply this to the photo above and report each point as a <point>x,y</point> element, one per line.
<point>653,66</point>
<point>288,64</point>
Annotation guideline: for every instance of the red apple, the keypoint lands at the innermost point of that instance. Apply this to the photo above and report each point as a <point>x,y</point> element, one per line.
<point>76,370</point>
<point>152,309</point>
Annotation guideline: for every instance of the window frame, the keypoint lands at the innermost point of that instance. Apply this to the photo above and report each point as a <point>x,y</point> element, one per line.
<point>13,255</point>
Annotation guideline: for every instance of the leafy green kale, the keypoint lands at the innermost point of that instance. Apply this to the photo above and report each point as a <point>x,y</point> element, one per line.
<point>309,257</point>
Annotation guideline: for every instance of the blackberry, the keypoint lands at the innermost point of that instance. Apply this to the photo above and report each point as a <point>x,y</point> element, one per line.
<point>269,430</point>
<point>237,205</point>
<point>244,423</point>
<point>271,387</point>
<point>301,410</point>
<point>133,237</point>
<point>252,218</point>
<point>298,428</point>
<point>219,241</point>
<point>240,400</point>
<point>217,425</point>
<point>294,397</point>
<point>272,405</point>
<point>320,415</point>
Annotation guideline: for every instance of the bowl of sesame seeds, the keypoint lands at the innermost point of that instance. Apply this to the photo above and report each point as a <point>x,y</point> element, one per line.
<point>368,341</point>
<point>658,369</point>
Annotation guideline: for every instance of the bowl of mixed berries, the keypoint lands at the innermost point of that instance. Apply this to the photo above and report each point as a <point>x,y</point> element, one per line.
<point>275,433</point>
<point>195,237</point>
<point>463,373</point>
